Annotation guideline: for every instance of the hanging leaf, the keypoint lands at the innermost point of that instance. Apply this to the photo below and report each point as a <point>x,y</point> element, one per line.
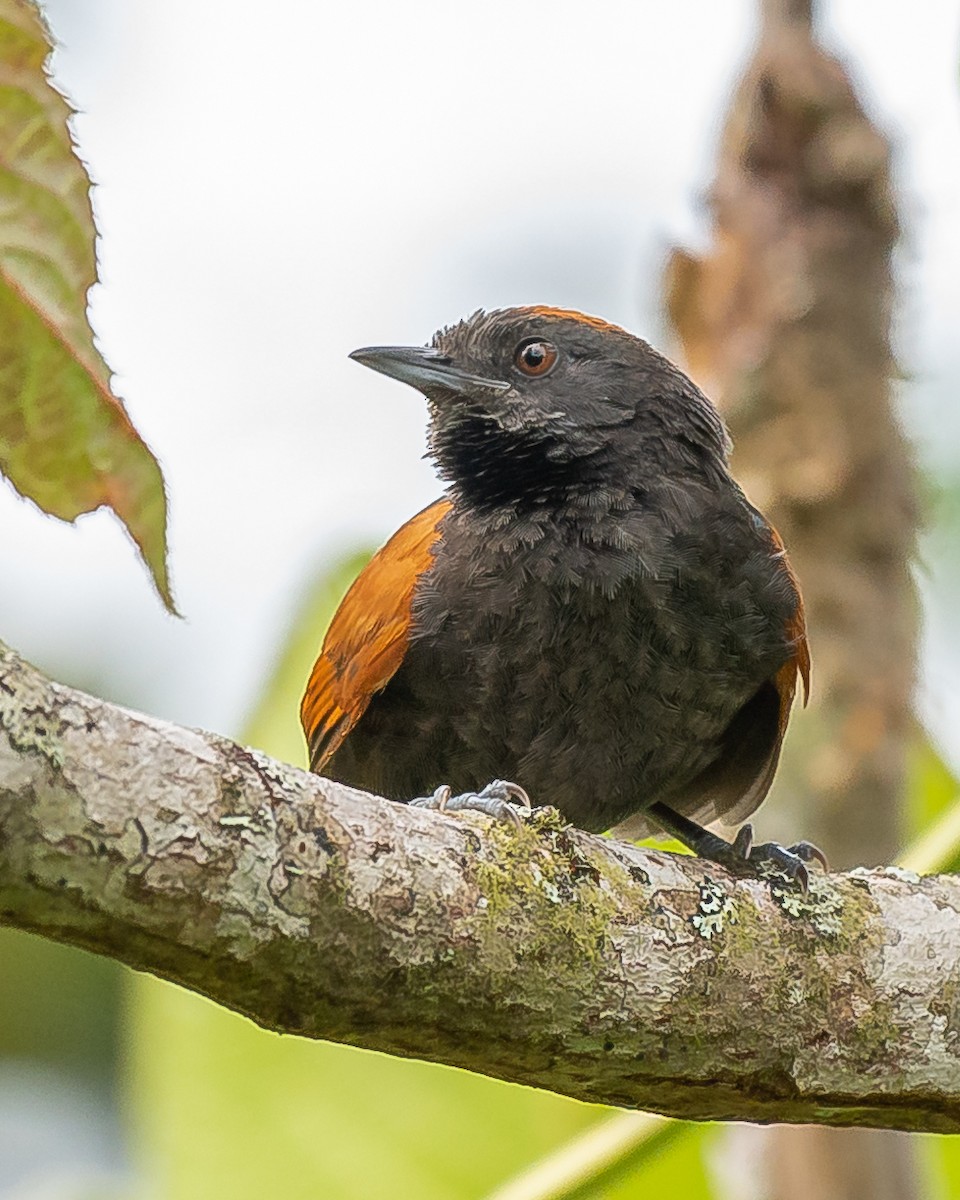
<point>66,441</point>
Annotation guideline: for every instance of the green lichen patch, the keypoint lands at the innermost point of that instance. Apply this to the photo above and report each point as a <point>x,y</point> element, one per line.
<point>821,905</point>
<point>715,908</point>
<point>835,916</point>
<point>805,966</point>
<point>539,879</point>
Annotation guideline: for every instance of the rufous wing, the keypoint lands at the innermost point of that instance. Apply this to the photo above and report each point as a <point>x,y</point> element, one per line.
<point>368,636</point>
<point>798,665</point>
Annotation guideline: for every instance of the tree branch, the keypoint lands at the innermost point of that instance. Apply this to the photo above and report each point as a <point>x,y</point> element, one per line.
<point>545,956</point>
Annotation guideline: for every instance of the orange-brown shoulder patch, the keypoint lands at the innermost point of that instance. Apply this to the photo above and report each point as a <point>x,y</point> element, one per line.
<point>368,636</point>
<point>571,314</point>
<point>799,662</point>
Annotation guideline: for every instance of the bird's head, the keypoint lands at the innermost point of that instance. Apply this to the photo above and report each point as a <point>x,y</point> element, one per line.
<point>537,405</point>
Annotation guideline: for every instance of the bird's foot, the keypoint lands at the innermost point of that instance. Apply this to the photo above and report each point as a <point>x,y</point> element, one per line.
<point>741,856</point>
<point>772,858</point>
<point>499,799</point>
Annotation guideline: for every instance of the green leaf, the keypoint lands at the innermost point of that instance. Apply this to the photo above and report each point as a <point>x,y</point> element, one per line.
<point>619,1155</point>
<point>672,1164</point>
<point>66,442</point>
<point>932,809</point>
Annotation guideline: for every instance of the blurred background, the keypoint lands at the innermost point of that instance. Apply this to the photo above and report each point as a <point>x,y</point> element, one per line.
<point>275,187</point>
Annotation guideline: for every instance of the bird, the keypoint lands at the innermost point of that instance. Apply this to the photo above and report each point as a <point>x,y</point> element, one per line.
<point>593,614</point>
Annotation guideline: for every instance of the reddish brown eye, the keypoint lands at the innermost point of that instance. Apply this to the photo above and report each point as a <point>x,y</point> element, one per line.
<point>534,357</point>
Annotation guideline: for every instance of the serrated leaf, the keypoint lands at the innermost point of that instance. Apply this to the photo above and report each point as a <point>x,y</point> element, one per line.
<point>66,441</point>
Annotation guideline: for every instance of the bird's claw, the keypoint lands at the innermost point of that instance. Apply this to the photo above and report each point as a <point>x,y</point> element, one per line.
<point>499,799</point>
<point>790,861</point>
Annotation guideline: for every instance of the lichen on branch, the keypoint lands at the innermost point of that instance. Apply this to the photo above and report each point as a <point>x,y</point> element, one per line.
<point>545,956</point>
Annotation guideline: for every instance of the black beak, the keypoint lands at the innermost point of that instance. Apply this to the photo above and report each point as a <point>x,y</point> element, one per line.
<point>424,368</point>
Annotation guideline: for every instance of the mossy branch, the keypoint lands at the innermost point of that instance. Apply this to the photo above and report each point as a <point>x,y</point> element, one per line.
<point>545,956</point>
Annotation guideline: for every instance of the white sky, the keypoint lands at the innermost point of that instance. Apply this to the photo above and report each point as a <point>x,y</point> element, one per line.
<point>275,190</point>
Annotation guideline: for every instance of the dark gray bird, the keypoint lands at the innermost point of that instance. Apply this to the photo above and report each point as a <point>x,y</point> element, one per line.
<point>594,610</point>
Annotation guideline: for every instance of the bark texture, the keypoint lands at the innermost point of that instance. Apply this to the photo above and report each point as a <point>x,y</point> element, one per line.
<point>542,955</point>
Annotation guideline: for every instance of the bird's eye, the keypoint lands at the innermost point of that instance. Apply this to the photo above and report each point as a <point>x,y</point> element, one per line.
<point>535,357</point>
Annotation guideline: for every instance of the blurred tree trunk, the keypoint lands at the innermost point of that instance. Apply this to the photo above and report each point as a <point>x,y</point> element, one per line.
<point>786,323</point>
